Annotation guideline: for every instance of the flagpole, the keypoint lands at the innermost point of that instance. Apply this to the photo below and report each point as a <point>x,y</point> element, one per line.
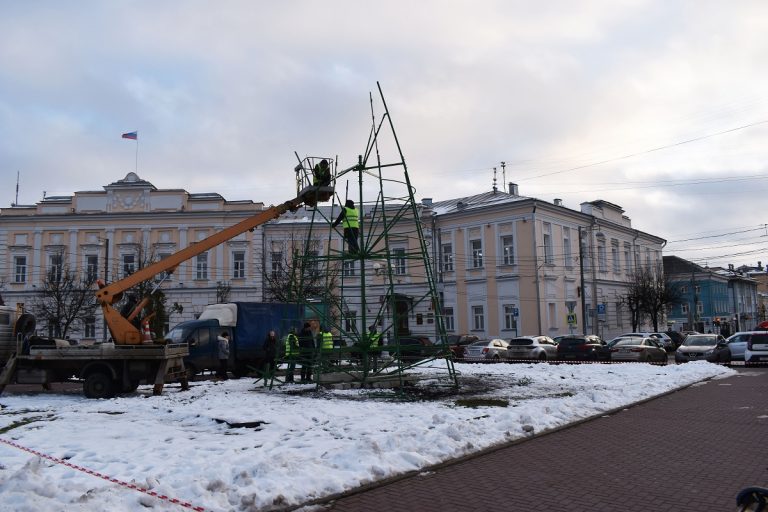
<point>136,167</point>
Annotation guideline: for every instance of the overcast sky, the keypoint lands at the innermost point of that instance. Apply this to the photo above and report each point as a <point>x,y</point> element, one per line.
<point>659,106</point>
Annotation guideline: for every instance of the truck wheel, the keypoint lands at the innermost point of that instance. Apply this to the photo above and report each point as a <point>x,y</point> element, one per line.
<point>98,385</point>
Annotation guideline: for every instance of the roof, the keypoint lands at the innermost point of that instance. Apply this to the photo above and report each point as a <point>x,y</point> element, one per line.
<point>477,201</point>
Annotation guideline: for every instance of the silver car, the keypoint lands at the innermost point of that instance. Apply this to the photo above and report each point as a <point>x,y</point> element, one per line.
<point>633,348</point>
<point>493,350</point>
<point>703,347</point>
<point>540,348</point>
<point>739,341</point>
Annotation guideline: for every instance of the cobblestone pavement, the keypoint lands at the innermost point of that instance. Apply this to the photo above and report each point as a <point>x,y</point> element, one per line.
<point>691,450</point>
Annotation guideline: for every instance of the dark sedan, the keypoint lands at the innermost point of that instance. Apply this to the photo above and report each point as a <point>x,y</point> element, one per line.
<point>583,348</point>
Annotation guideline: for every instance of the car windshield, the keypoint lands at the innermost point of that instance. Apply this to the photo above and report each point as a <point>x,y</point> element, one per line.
<point>700,341</point>
<point>483,343</point>
<point>567,342</point>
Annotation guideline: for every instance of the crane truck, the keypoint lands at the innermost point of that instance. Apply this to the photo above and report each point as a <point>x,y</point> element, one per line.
<point>132,357</point>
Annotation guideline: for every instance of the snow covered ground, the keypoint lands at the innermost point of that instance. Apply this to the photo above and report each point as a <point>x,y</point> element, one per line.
<point>237,446</point>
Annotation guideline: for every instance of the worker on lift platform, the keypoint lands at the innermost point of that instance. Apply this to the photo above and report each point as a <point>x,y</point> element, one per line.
<point>321,174</point>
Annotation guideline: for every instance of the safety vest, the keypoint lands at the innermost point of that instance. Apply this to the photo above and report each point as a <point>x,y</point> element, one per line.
<point>327,341</point>
<point>291,344</point>
<point>350,218</point>
<point>375,337</point>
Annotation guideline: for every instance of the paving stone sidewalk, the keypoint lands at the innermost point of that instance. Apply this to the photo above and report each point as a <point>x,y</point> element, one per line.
<point>689,451</point>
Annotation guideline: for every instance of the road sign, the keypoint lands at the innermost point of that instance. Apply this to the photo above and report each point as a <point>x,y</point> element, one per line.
<point>601,309</point>
<point>515,312</point>
<point>571,305</point>
<point>571,318</point>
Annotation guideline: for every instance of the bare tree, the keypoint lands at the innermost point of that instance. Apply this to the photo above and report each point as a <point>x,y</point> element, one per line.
<point>65,302</point>
<point>223,290</point>
<point>649,293</point>
<point>301,276</point>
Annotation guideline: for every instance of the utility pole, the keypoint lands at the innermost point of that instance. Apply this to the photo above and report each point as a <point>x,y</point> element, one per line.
<point>581,274</point>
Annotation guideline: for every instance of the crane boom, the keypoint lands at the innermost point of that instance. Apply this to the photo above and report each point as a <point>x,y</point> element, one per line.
<point>121,328</point>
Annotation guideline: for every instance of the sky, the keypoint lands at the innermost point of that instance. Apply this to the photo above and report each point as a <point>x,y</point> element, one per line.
<point>188,445</point>
<point>657,106</point>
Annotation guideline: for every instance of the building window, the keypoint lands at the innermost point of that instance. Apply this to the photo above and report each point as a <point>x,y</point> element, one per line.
<point>350,321</point>
<point>349,268</point>
<point>552,313</point>
<point>276,259</point>
<point>238,265</point>
<point>549,256</point>
<point>448,319</point>
<point>508,249</point>
<point>128,264</point>
<point>567,254</point>
<point>510,318</point>
<point>697,290</point>
<point>91,267</point>
<point>602,264</point>
<point>699,308</point>
<point>201,266</point>
<point>476,247</point>
<point>684,308</point>
<point>447,254</point>
<point>312,262</point>
<point>55,266</point>
<point>684,289</point>
<point>619,315</point>
<point>20,269</point>
<point>478,318</point>
<point>398,255</point>
<point>627,259</point>
<point>89,327</point>
<point>615,256</point>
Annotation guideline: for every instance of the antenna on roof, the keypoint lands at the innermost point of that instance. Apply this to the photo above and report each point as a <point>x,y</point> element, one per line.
<point>494,180</point>
<point>503,172</point>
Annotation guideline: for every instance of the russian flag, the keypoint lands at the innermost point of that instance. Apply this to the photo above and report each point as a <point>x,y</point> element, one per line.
<point>131,135</point>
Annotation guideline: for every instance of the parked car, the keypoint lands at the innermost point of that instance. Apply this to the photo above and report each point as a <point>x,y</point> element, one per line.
<point>457,343</point>
<point>738,342</point>
<point>700,347</point>
<point>757,348</point>
<point>484,350</point>
<point>583,348</point>
<point>666,341</point>
<point>413,348</point>
<point>633,348</point>
<point>532,347</point>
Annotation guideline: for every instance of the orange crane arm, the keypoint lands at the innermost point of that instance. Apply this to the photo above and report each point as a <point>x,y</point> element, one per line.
<point>123,332</point>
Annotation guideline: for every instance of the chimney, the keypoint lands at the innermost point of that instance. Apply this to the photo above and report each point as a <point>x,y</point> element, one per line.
<point>513,189</point>
<point>427,201</point>
<point>759,265</point>
<point>558,202</point>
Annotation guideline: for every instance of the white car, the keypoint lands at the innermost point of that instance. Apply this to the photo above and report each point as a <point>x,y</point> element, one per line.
<point>540,348</point>
<point>663,338</point>
<point>757,348</point>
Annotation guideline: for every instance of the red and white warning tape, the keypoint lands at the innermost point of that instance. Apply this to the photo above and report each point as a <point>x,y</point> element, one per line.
<point>135,487</point>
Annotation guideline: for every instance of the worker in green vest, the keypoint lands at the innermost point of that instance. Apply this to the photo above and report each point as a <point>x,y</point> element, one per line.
<point>291,351</point>
<point>374,339</point>
<point>327,343</point>
<point>351,222</point>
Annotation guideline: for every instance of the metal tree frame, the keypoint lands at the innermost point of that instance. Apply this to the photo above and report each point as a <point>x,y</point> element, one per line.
<point>388,284</point>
